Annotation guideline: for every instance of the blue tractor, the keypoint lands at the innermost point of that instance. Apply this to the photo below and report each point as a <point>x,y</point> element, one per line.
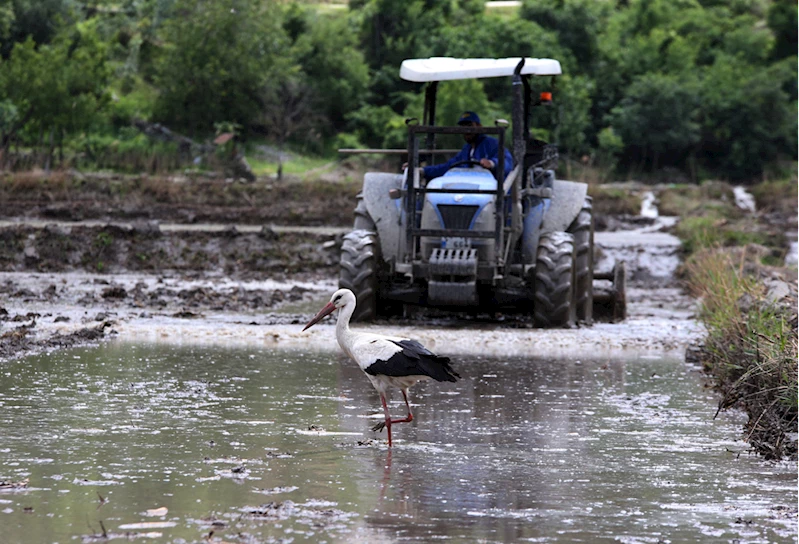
<point>468,241</point>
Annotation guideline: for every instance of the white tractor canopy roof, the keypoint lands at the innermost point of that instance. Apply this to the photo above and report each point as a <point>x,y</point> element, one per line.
<point>448,68</point>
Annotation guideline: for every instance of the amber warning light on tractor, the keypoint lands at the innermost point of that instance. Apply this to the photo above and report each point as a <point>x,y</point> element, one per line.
<point>546,97</point>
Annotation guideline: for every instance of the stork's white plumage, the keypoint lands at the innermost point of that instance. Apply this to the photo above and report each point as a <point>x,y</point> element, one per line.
<point>388,361</point>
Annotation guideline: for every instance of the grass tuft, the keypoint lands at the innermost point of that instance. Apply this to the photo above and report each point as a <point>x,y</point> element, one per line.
<point>751,346</point>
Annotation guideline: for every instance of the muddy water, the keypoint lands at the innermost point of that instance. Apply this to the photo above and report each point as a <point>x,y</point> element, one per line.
<point>174,443</point>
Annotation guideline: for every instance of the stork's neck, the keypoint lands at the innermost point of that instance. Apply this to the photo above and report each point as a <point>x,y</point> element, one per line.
<point>343,332</point>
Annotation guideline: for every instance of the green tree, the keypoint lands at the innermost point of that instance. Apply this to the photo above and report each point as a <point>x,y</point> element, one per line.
<point>492,36</point>
<point>576,23</point>
<point>609,146</point>
<point>7,17</point>
<point>131,29</point>
<point>656,119</point>
<point>782,21</point>
<point>333,68</point>
<point>217,58</point>
<point>570,125</point>
<point>649,36</point>
<point>289,111</point>
<point>394,30</point>
<point>37,19</point>
<point>374,126</point>
<point>714,81</point>
<point>56,89</point>
<point>747,120</point>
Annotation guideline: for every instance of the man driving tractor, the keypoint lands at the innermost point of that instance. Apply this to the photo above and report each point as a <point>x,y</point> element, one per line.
<point>479,147</point>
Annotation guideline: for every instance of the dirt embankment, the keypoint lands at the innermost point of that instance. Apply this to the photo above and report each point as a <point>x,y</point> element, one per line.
<point>178,199</point>
<point>144,247</point>
<point>63,286</point>
<point>66,240</point>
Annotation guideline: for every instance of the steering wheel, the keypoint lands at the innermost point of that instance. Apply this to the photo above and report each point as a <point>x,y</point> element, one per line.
<point>470,162</point>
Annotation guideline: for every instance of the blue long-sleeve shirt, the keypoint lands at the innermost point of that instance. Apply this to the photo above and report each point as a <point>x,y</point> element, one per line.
<point>486,148</point>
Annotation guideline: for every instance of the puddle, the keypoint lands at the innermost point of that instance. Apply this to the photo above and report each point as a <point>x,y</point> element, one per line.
<point>792,255</point>
<point>649,205</point>
<point>744,199</point>
<point>253,444</point>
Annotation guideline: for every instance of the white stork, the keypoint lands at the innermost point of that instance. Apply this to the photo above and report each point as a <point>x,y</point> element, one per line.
<point>386,360</point>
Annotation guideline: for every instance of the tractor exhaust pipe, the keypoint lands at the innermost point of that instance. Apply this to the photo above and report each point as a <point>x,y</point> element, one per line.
<point>518,113</point>
<point>519,149</point>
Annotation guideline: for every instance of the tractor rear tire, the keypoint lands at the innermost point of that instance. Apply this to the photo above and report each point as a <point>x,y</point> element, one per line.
<point>554,293</point>
<point>358,270</point>
<point>583,230</point>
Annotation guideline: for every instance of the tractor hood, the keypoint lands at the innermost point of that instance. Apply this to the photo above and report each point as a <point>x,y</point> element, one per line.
<point>462,179</point>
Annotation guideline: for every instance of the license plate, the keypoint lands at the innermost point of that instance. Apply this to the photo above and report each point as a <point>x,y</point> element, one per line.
<point>457,243</point>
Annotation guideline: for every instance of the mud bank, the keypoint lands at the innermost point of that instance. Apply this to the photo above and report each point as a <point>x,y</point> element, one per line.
<point>144,247</point>
<point>257,287</point>
<point>48,311</point>
<point>75,196</point>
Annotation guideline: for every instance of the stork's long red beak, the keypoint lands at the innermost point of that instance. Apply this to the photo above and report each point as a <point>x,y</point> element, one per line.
<point>324,312</point>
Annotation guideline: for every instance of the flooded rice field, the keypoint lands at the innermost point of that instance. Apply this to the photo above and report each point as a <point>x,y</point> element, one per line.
<point>212,443</point>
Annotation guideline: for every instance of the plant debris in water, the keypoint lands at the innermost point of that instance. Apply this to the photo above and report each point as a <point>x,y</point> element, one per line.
<point>6,485</point>
<point>23,339</point>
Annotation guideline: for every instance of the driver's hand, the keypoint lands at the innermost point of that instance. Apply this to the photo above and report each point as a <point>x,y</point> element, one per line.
<point>404,166</point>
<point>487,163</point>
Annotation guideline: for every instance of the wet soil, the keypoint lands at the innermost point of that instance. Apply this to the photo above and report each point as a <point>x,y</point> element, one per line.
<point>134,255</point>
<point>73,196</point>
<point>20,339</point>
<point>145,248</point>
<point>65,285</point>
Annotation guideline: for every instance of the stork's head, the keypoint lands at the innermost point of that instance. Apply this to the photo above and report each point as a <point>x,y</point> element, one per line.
<point>340,298</point>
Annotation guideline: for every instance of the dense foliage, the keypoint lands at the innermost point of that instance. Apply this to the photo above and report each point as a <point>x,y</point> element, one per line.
<point>705,86</point>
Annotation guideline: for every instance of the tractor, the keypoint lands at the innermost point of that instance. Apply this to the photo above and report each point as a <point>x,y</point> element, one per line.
<point>469,241</point>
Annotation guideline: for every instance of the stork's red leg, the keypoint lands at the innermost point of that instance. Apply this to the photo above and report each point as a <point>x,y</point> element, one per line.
<point>409,418</point>
<point>388,418</point>
<point>387,423</point>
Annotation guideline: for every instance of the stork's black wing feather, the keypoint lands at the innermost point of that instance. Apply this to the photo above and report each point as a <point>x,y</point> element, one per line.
<point>414,360</point>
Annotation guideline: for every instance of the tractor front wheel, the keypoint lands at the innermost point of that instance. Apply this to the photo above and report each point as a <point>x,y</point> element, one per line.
<point>554,285</point>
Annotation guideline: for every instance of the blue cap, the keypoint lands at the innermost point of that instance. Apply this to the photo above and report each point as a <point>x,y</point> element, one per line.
<point>468,117</point>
